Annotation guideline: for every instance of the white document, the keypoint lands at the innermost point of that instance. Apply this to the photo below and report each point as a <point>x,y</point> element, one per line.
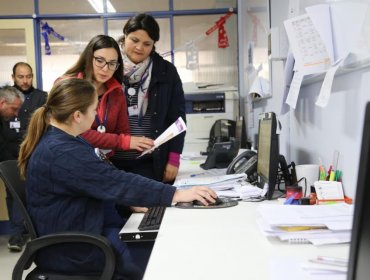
<point>308,48</point>
<point>176,128</point>
<point>298,224</point>
<point>206,181</point>
<point>320,17</point>
<point>295,87</point>
<point>242,190</point>
<point>288,78</point>
<point>325,90</point>
<point>338,215</point>
<point>347,21</point>
<point>325,35</point>
<point>329,190</point>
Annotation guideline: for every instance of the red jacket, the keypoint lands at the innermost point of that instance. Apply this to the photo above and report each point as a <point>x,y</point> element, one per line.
<point>117,135</point>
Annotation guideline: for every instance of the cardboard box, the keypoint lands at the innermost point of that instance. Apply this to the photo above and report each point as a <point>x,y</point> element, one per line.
<point>3,209</point>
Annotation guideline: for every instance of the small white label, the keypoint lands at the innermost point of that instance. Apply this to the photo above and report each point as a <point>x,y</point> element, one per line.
<point>133,110</point>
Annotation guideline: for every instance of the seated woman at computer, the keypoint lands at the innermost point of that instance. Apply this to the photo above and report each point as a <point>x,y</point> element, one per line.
<point>68,184</point>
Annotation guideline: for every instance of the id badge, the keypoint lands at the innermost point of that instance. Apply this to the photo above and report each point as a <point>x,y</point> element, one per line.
<point>133,110</point>
<point>15,124</point>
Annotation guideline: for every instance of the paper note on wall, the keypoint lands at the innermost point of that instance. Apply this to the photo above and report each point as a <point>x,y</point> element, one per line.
<point>326,86</point>
<point>307,46</point>
<point>294,89</point>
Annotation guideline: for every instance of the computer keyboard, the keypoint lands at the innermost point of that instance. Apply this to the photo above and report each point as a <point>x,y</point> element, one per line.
<point>152,218</point>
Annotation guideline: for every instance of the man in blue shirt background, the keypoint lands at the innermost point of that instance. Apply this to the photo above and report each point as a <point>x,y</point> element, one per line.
<point>13,131</point>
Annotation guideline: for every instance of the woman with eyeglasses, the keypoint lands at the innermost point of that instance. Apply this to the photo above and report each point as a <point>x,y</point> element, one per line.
<point>155,100</point>
<point>101,63</point>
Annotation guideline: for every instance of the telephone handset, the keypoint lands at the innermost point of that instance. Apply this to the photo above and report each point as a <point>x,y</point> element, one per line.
<point>246,163</point>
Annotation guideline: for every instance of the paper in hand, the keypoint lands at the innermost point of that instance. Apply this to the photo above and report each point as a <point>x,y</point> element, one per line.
<point>176,128</point>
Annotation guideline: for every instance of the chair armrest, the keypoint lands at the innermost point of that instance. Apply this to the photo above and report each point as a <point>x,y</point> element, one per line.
<point>33,246</point>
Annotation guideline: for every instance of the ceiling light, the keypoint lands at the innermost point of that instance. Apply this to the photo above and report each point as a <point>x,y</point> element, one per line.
<point>98,6</point>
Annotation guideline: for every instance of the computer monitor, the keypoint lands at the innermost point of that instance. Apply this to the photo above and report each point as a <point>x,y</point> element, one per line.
<point>268,153</point>
<point>358,267</point>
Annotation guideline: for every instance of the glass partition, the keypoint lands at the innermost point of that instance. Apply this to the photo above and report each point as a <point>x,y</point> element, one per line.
<point>257,30</point>
<point>16,44</point>
<point>198,57</point>
<point>115,29</point>
<point>204,4</point>
<point>124,6</point>
<point>17,7</point>
<point>64,53</point>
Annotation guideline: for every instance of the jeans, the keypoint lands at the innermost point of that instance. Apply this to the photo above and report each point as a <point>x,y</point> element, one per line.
<point>15,216</point>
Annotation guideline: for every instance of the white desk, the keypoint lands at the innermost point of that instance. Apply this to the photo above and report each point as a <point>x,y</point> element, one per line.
<point>226,244</point>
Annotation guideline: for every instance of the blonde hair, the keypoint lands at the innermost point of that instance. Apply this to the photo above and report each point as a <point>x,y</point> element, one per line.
<point>65,98</point>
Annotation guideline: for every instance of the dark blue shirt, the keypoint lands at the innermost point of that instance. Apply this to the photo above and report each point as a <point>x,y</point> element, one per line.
<point>67,185</point>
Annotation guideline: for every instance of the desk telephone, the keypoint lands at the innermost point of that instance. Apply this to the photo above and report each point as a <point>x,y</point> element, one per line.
<point>246,163</point>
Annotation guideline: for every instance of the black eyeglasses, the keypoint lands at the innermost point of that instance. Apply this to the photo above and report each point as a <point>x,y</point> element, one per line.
<point>101,62</point>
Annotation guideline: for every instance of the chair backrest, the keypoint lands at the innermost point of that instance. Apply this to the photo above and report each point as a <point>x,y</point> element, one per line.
<point>221,131</point>
<point>9,173</point>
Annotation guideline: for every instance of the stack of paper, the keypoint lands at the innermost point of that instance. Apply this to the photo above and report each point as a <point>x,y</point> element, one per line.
<point>316,224</point>
<point>323,267</point>
<point>231,185</point>
<point>222,182</point>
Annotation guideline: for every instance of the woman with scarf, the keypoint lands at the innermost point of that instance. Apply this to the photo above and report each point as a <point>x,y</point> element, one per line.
<point>155,100</point>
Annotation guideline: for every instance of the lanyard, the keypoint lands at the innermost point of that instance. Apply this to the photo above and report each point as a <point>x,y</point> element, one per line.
<point>97,120</point>
<point>142,79</point>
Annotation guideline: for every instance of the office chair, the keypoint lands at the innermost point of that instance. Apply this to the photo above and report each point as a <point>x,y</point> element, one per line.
<point>221,131</point>
<point>10,175</point>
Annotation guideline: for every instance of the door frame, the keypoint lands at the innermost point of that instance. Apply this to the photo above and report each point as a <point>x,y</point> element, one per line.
<point>27,25</point>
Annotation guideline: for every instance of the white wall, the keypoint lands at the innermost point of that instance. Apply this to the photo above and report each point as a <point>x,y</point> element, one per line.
<point>317,132</point>
<point>310,132</point>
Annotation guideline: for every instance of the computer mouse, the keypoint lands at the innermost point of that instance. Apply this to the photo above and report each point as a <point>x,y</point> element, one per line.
<point>184,204</point>
<point>217,202</point>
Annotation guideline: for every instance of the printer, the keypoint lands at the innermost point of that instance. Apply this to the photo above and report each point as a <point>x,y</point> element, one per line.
<point>204,105</point>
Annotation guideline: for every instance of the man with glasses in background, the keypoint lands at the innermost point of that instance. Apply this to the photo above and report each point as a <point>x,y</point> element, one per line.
<point>13,130</point>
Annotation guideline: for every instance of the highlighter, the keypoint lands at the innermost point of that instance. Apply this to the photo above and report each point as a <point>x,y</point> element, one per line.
<point>332,175</point>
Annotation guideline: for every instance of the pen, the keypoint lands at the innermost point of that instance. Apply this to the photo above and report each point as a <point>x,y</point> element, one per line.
<point>195,175</point>
<point>337,175</point>
<point>322,173</point>
<point>290,199</point>
<point>330,261</point>
<point>329,172</point>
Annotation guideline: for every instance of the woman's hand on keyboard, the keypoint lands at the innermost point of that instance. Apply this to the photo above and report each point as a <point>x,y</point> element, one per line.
<point>202,194</point>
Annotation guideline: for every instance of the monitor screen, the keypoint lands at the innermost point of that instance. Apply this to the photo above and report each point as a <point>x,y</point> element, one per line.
<point>358,267</point>
<point>268,153</point>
